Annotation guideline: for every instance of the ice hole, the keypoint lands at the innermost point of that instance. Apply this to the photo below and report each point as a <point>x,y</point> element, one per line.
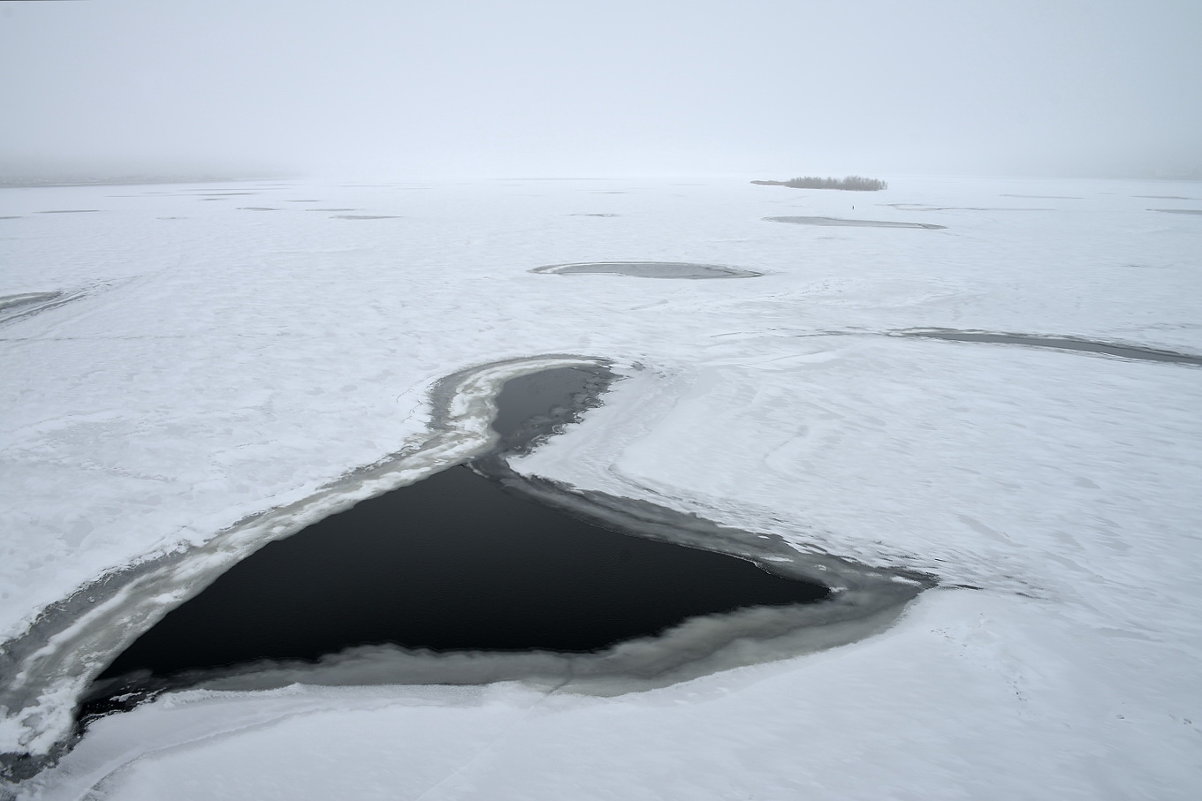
<point>457,562</point>
<point>452,563</point>
<point>1055,343</point>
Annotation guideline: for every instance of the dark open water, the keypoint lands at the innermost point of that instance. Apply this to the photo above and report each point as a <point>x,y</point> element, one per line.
<point>456,563</point>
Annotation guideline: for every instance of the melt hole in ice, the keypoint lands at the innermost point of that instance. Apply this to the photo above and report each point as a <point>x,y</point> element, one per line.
<point>455,563</point>
<point>452,563</point>
<point>1122,351</point>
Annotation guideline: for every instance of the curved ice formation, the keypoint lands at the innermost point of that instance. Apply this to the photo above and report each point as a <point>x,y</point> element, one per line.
<point>840,222</point>
<point>67,211</point>
<point>9,303</point>
<point>648,269</point>
<point>530,407</point>
<point>48,668</point>
<point>52,665</point>
<point>14,307</point>
<point>1120,350</point>
<point>1047,197</point>
<point>698,646</point>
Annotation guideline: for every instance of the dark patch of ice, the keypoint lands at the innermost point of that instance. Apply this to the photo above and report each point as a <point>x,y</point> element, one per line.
<point>839,222</point>
<point>1178,211</point>
<point>257,208</point>
<point>67,211</point>
<point>924,207</point>
<point>452,563</point>
<point>15,307</point>
<point>1057,343</point>
<point>10,302</point>
<point>648,269</point>
<point>463,561</point>
<point>365,217</point>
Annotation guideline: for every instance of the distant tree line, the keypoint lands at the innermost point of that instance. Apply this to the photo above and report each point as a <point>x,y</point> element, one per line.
<point>856,183</point>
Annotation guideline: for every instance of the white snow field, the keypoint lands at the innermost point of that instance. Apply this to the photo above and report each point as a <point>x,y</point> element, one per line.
<point>185,357</point>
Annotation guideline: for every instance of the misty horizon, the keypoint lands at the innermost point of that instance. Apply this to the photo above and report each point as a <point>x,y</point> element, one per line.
<point>133,89</point>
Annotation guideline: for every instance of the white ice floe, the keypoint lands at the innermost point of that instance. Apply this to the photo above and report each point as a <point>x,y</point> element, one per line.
<point>215,364</point>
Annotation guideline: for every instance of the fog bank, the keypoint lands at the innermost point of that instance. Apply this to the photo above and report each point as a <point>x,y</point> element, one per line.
<point>537,88</point>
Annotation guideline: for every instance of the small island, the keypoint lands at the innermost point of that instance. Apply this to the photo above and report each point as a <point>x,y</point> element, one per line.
<point>855,183</point>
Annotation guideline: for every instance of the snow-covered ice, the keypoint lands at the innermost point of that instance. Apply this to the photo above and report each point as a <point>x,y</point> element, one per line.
<point>199,374</point>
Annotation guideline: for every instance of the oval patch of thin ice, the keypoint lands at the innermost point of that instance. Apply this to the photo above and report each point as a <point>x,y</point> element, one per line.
<point>649,269</point>
<point>840,222</point>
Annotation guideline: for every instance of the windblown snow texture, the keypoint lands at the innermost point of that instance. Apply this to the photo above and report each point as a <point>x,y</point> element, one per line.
<point>222,362</point>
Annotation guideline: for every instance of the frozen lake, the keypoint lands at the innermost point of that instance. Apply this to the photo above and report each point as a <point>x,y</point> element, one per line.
<point>189,377</point>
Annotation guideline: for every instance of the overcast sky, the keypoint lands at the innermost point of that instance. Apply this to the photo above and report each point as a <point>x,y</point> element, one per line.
<point>771,88</point>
